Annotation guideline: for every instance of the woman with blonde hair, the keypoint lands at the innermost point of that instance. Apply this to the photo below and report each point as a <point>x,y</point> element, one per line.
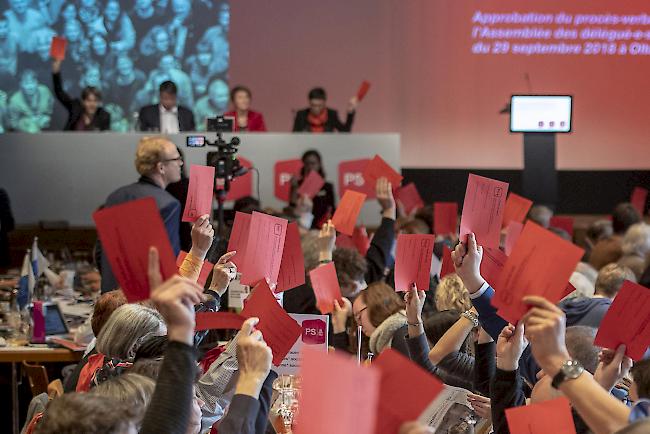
<point>451,294</point>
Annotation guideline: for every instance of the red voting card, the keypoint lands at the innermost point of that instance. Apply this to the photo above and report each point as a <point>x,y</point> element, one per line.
<point>409,197</point>
<point>413,261</point>
<point>351,177</point>
<point>57,49</point>
<point>326,378</point>
<point>545,417</point>
<point>447,262</point>
<point>126,232</point>
<point>326,287</point>
<point>283,171</point>
<point>565,223</point>
<point>280,331</point>
<point>311,185</point>
<point>218,321</point>
<point>378,168</point>
<point>626,321</point>
<point>345,241</point>
<point>540,264</point>
<point>199,192</point>
<point>638,199</point>
<point>513,230</point>
<point>292,267</point>
<point>405,391</point>
<point>445,218</point>
<point>516,209</point>
<point>264,248</point>
<point>239,237</point>
<point>205,269</point>
<point>483,210</point>
<point>242,186</point>
<point>345,216</point>
<point>361,240</point>
<point>492,265</point>
<point>363,90</point>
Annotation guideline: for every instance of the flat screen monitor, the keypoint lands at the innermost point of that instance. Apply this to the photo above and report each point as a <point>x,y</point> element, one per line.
<point>540,113</point>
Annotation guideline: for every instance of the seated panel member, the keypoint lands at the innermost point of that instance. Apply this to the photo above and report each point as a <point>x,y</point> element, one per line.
<point>85,113</point>
<point>167,117</point>
<point>245,118</point>
<point>317,118</point>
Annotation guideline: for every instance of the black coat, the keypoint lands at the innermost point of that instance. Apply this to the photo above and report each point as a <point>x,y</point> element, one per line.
<point>301,124</point>
<point>101,121</point>
<point>150,118</point>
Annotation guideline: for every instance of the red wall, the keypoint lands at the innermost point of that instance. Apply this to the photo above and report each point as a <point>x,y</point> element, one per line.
<point>427,85</point>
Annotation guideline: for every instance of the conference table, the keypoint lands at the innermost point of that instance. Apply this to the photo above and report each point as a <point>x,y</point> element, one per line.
<point>17,355</point>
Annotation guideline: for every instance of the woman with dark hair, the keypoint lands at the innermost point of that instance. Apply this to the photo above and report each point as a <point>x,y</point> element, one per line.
<point>246,119</point>
<point>323,202</point>
<point>380,313</point>
<point>85,113</point>
<point>318,118</point>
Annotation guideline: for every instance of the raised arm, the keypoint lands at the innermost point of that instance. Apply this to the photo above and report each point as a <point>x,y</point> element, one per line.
<point>378,255</point>
<point>453,339</point>
<point>61,94</point>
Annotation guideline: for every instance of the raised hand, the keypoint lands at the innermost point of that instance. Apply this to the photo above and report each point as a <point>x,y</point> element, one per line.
<point>384,190</point>
<point>342,311</point>
<point>326,241</point>
<point>510,345</point>
<point>467,263</point>
<point>202,236</point>
<point>254,358</point>
<point>223,273</point>
<point>613,366</point>
<point>545,328</point>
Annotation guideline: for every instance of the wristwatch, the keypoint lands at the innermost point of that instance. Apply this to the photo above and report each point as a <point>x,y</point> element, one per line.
<point>570,370</point>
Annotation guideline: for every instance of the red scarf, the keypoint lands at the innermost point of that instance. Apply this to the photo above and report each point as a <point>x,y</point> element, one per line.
<point>95,362</point>
<point>317,123</point>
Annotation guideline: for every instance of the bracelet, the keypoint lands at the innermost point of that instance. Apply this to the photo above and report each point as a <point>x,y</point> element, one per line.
<point>471,316</point>
<point>414,325</point>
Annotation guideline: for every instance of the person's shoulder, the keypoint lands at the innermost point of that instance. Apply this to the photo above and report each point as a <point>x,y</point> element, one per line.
<point>149,108</point>
<point>302,112</point>
<point>182,108</point>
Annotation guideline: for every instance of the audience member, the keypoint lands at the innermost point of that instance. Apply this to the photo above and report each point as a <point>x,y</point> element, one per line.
<point>159,164</point>
<point>635,247</point>
<point>320,119</point>
<point>323,203</point>
<point>452,294</point>
<point>30,108</point>
<point>640,373</point>
<point>84,114</point>
<point>541,215</point>
<point>245,118</point>
<point>609,249</point>
<point>212,104</point>
<point>166,117</point>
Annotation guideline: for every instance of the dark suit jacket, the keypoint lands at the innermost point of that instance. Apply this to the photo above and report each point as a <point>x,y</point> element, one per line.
<point>150,118</point>
<point>101,121</point>
<point>168,206</point>
<point>333,123</point>
<point>6,226</point>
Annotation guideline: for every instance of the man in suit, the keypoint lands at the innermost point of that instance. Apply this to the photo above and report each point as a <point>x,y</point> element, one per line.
<point>167,116</point>
<point>159,163</point>
<point>317,118</point>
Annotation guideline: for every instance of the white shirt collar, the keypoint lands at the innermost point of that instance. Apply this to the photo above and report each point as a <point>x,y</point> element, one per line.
<point>162,109</point>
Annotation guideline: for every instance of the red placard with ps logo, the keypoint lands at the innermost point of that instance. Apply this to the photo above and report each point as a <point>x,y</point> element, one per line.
<point>351,177</point>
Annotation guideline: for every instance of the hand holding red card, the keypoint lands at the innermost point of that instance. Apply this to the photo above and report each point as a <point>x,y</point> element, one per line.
<point>409,198</point>
<point>638,199</point>
<point>363,90</point>
<point>292,267</point>
<point>405,391</point>
<point>205,269</point>
<point>279,330</point>
<point>311,185</point>
<point>516,209</point>
<point>199,192</point>
<point>264,248</point>
<point>336,396</point>
<point>127,231</point>
<point>326,287</point>
<point>57,48</point>
<point>483,210</point>
<point>239,237</point>
<point>345,216</point>
<point>445,218</point>
<point>626,321</point>
<point>378,168</point>
<point>540,264</point>
<point>413,261</point>
<point>544,417</point>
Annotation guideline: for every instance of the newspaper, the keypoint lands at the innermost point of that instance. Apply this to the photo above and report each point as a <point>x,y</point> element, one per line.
<point>450,412</point>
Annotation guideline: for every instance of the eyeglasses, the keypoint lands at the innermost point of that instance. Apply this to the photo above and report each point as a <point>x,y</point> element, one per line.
<point>357,316</point>
<point>179,158</point>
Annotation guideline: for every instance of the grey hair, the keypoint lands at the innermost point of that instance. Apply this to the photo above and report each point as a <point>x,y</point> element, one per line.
<point>637,240</point>
<point>126,328</point>
<point>135,390</point>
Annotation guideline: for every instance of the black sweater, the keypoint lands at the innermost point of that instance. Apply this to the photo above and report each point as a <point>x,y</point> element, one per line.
<point>101,121</point>
<point>301,122</point>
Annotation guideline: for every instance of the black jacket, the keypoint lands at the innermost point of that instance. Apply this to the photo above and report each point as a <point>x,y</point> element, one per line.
<point>150,118</point>
<point>101,121</point>
<point>6,226</point>
<point>301,124</point>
